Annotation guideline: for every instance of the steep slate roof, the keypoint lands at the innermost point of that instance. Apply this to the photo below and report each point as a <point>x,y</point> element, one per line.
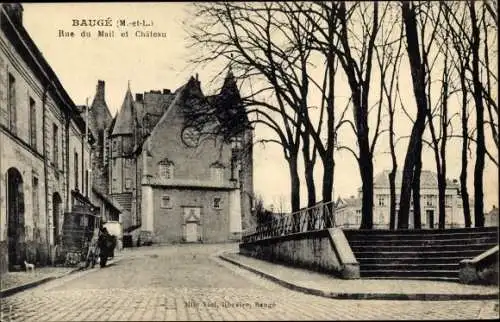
<point>192,86</point>
<point>109,129</point>
<point>155,106</point>
<point>428,179</point>
<point>152,108</point>
<point>100,115</point>
<point>125,120</point>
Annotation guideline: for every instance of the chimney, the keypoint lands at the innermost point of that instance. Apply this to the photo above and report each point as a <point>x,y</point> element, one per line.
<point>166,91</point>
<point>15,12</point>
<point>138,97</point>
<point>99,92</point>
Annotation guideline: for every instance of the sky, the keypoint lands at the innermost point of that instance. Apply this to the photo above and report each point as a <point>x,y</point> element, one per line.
<point>156,63</point>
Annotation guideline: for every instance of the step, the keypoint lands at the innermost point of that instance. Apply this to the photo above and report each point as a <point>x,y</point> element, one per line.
<point>420,278</point>
<point>409,260</point>
<point>423,249</point>
<point>420,231</point>
<point>417,242</point>
<point>409,273</point>
<point>410,267</point>
<point>392,237</point>
<point>417,254</point>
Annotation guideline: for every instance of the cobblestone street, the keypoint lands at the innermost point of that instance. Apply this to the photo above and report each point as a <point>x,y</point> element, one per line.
<point>187,282</point>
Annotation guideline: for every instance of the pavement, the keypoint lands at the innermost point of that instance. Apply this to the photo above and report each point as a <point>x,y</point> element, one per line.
<point>14,282</point>
<point>325,285</point>
<point>191,282</point>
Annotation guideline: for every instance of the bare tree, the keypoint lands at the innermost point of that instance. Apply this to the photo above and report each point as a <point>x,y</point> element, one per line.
<point>321,16</point>
<point>355,53</point>
<point>418,51</point>
<point>439,140</point>
<point>478,99</point>
<point>265,48</point>
<point>456,19</point>
<point>388,63</point>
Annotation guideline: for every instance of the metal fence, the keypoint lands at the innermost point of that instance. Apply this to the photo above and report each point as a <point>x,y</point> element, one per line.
<point>318,217</point>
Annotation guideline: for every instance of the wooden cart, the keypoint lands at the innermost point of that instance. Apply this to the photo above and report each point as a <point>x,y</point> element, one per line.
<point>78,228</point>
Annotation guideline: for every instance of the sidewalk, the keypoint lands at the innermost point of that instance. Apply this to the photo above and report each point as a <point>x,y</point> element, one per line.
<point>384,289</point>
<point>14,282</point>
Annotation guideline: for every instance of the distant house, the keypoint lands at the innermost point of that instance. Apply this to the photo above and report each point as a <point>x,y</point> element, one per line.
<point>491,218</point>
<point>348,210</point>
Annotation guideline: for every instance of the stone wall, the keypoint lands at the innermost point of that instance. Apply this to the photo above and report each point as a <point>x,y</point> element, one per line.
<point>169,222</point>
<point>322,250</point>
<point>4,257</point>
<point>482,269</point>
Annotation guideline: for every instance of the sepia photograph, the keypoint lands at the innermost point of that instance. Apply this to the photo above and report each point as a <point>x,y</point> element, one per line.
<point>249,161</point>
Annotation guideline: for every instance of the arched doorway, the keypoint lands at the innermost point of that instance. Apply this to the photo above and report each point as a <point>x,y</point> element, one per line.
<point>15,211</point>
<point>56,213</point>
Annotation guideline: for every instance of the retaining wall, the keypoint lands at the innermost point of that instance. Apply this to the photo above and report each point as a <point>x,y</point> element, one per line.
<point>324,250</point>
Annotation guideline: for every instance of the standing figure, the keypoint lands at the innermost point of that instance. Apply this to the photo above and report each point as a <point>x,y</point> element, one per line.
<point>93,251</point>
<point>103,244</point>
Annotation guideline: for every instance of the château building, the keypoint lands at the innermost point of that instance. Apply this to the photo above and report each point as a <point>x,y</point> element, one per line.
<point>169,178</point>
<point>348,210</point>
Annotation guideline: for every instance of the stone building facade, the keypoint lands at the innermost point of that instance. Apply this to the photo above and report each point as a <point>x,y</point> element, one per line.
<point>180,187</point>
<point>44,156</point>
<point>348,210</point>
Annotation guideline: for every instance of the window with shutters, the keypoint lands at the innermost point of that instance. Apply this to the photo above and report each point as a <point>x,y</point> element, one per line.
<point>87,179</point>
<point>12,103</point>
<point>36,214</point>
<point>381,201</point>
<point>32,120</point>
<point>448,200</point>
<point>76,170</point>
<point>166,169</point>
<point>217,173</point>
<point>429,200</point>
<point>55,145</point>
<point>128,184</point>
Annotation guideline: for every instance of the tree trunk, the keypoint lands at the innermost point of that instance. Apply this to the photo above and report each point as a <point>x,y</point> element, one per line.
<point>464,194</point>
<point>294,184</point>
<point>328,159</point>
<point>366,170</point>
<point>309,173</point>
<point>417,209</point>
<point>413,152</point>
<point>328,175</point>
<point>311,190</point>
<point>413,157</point>
<point>441,191</point>
<point>392,187</point>
<point>392,174</point>
<point>480,144</point>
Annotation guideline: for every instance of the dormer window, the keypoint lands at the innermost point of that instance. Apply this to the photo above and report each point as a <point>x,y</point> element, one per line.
<point>166,169</point>
<point>236,143</point>
<point>217,173</point>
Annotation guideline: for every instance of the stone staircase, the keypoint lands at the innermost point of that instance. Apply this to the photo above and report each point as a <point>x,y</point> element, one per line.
<point>418,254</point>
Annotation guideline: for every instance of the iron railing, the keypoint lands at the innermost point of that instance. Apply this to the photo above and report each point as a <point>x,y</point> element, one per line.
<point>318,217</point>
